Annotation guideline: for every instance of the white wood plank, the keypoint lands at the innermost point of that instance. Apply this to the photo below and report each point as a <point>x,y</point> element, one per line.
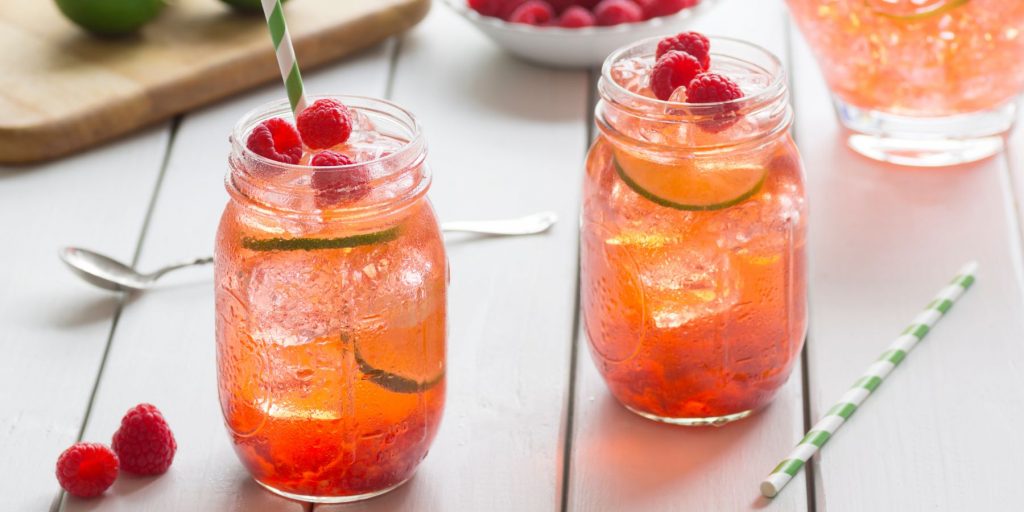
<point>55,327</point>
<point>506,138</point>
<point>163,350</point>
<point>939,433</point>
<point>623,462</point>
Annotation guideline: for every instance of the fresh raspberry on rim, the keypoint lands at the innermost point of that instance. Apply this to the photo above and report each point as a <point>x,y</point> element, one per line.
<point>144,442</point>
<point>690,42</point>
<point>673,70</point>
<point>325,123</point>
<point>560,6</point>
<point>533,12</point>
<point>277,140</point>
<point>577,17</point>
<point>615,12</point>
<point>715,88</point>
<point>336,187</point>
<point>87,469</point>
<point>712,88</point>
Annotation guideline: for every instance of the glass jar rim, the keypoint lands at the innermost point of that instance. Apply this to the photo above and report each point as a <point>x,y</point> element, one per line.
<point>281,106</point>
<point>278,186</point>
<point>768,94</point>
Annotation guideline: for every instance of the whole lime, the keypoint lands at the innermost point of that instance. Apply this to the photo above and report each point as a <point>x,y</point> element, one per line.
<point>247,5</point>
<point>110,17</point>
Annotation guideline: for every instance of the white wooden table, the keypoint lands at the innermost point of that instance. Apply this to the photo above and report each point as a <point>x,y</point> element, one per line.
<point>529,425</point>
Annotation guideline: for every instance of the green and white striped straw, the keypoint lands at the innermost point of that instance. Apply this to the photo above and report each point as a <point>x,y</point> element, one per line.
<point>285,54</point>
<point>872,378</point>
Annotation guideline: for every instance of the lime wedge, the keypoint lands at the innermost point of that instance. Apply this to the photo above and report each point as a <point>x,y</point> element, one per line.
<point>908,10</point>
<point>394,382</point>
<point>687,187</point>
<point>314,244</point>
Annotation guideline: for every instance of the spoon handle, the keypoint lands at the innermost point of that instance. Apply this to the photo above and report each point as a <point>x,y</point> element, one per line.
<point>206,260</point>
<point>528,225</point>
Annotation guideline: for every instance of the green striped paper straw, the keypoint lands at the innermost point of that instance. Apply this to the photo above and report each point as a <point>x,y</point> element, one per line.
<point>826,427</point>
<point>285,54</point>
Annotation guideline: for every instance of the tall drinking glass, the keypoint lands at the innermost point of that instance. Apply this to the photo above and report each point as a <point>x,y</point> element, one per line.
<point>920,82</point>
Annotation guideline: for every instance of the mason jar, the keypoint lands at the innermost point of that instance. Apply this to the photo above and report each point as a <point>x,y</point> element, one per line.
<point>331,311</point>
<point>693,240</point>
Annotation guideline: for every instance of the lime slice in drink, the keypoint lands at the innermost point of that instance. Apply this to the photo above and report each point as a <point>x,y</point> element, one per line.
<point>392,381</point>
<point>913,10</point>
<point>687,187</point>
<point>314,244</point>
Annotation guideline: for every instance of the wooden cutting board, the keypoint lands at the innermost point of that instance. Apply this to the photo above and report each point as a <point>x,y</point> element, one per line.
<point>62,89</point>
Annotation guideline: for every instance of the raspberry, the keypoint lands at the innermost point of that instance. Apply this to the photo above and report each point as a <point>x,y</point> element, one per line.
<point>485,7</point>
<point>144,442</point>
<point>614,12</point>
<point>712,88</point>
<point>561,5</point>
<point>330,159</point>
<point>338,186</point>
<point>576,17</point>
<point>656,8</point>
<point>276,139</point>
<point>87,469</point>
<point>690,42</point>
<point>507,7</point>
<point>324,124</point>
<point>533,12</point>
<point>674,69</point>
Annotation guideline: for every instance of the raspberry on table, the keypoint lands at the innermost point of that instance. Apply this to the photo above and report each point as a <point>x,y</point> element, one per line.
<point>87,469</point>
<point>673,70</point>
<point>533,12</point>
<point>338,186</point>
<point>325,123</point>
<point>690,42</point>
<point>144,442</point>
<point>712,88</point>
<point>276,139</point>
<point>614,12</point>
<point>576,17</point>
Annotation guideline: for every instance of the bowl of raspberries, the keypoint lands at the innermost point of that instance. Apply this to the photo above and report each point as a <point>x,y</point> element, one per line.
<point>574,33</point>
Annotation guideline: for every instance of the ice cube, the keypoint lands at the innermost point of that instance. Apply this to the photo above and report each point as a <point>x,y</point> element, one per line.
<point>296,297</point>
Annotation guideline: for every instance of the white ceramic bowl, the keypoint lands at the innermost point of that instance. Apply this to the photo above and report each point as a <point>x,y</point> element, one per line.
<point>573,47</point>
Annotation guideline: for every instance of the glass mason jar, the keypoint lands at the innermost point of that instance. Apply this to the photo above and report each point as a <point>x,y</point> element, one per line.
<point>694,231</point>
<point>331,317</point>
<point>919,82</point>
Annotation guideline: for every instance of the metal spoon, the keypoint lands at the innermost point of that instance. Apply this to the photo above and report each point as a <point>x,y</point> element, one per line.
<point>111,274</point>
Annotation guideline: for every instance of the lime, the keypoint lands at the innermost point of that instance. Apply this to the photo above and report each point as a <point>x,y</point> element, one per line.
<point>913,10</point>
<point>392,381</point>
<point>314,244</point>
<point>684,186</point>
<point>247,5</point>
<point>110,17</point>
